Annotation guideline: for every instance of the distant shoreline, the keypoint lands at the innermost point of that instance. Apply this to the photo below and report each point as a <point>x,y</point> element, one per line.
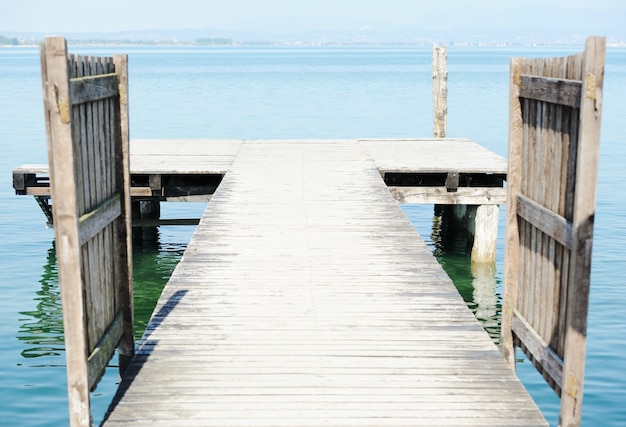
<point>208,39</point>
<point>82,43</point>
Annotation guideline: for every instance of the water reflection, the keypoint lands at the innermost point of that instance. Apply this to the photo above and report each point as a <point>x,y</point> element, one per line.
<point>41,329</point>
<point>476,282</point>
<point>153,263</point>
<point>486,300</point>
<point>154,260</point>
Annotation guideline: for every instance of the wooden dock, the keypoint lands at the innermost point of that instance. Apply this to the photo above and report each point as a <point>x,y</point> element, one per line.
<point>306,298</point>
<point>179,168</point>
<point>444,171</point>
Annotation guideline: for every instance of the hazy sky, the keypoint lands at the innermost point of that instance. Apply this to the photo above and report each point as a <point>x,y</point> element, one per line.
<point>67,16</point>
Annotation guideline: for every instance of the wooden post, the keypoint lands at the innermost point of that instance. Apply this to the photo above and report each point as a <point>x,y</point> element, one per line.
<point>512,246</point>
<point>59,128</point>
<point>126,346</point>
<point>481,221</point>
<point>440,91</point>
<point>485,233</point>
<point>479,224</point>
<point>440,105</point>
<point>582,231</point>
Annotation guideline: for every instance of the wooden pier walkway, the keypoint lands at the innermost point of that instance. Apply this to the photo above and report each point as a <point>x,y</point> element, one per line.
<point>306,298</point>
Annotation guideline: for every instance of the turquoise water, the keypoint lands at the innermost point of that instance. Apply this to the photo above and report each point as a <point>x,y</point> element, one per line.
<point>288,92</point>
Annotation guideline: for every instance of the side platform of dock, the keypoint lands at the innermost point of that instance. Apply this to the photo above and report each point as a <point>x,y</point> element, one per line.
<point>453,172</point>
<point>306,298</point>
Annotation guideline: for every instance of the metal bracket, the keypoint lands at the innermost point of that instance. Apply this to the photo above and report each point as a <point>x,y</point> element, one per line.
<point>452,182</point>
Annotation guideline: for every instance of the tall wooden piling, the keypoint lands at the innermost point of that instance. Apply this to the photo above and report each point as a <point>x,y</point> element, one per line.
<point>440,91</point>
<point>481,221</point>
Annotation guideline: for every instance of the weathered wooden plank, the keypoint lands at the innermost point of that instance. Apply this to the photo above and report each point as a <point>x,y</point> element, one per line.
<point>545,220</point>
<point>95,221</point>
<point>296,420</point>
<point>540,350</point>
<point>439,195</point>
<point>172,157</point>
<point>100,356</point>
<point>122,231</point>
<point>584,205</point>
<point>293,289</point>
<point>38,191</point>
<point>433,155</point>
<point>93,88</point>
<point>514,234</point>
<point>61,158</point>
<point>551,90</point>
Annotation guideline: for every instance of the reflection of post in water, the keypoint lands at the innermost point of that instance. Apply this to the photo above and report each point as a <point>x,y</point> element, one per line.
<point>145,209</point>
<point>42,328</point>
<point>485,298</point>
<point>476,282</point>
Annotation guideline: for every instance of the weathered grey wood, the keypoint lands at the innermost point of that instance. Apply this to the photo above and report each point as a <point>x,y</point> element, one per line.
<point>583,220</point>
<point>540,349</point>
<point>95,221</point>
<point>205,156</point>
<point>544,219</point>
<point>123,231</point>
<point>61,158</point>
<point>105,348</point>
<point>182,155</point>
<point>164,156</point>
<point>555,112</point>
<point>440,91</point>
<point>93,88</point>
<point>87,182</point>
<point>450,156</point>
<point>427,155</point>
<point>485,233</point>
<point>439,195</point>
<point>301,302</point>
<point>552,90</point>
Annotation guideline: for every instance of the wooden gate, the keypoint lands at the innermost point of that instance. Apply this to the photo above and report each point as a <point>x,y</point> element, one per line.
<point>555,111</point>
<point>87,131</point>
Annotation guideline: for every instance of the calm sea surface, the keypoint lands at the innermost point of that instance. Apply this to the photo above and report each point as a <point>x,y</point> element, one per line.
<point>284,92</point>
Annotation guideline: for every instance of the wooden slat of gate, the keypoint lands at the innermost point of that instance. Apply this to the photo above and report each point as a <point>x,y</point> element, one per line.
<point>554,137</point>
